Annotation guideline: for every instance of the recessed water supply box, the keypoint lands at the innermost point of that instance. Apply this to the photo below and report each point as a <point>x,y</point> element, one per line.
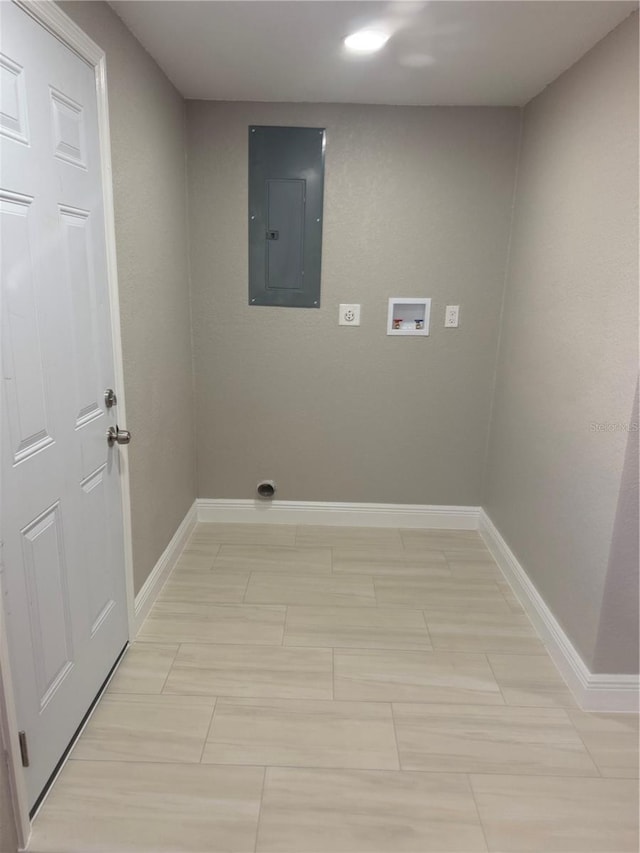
<point>408,316</point>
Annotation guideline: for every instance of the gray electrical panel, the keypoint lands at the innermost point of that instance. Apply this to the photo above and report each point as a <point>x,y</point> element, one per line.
<point>286,183</point>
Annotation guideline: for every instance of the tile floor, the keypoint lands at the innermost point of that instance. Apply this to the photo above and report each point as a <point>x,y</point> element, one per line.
<point>341,690</point>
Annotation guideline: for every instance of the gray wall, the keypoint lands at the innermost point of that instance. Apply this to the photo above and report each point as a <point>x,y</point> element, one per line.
<point>569,351</point>
<point>147,117</point>
<point>417,203</point>
<point>619,615</point>
<point>8,833</point>
<point>8,839</point>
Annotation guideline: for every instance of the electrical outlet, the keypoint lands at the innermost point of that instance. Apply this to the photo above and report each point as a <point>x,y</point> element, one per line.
<point>451,316</point>
<point>349,315</point>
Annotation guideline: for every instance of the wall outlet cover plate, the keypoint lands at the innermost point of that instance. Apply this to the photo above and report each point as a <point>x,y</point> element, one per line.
<point>349,315</point>
<point>452,316</point>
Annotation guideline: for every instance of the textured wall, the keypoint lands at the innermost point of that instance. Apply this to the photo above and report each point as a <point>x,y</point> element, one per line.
<point>417,203</point>
<point>8,839</point>
<point>617,644</point>
<point>569,351</point>
<point>147,117</point>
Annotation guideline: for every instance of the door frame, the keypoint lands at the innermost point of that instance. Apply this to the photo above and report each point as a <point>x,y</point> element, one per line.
<point>53,19</point>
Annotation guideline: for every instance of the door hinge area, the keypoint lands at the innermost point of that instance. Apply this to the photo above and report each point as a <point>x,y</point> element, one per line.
<point>24,749</point>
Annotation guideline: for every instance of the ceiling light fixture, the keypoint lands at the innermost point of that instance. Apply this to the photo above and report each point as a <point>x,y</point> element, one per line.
<point>366,41</point>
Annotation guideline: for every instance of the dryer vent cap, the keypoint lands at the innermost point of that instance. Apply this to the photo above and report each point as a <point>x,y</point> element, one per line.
<point>266,489</point>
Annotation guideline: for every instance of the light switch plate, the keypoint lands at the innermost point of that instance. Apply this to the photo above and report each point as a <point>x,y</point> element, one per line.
<point>349,315</point>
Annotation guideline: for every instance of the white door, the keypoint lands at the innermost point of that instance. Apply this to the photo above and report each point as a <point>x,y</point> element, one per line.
<point>62,526</point>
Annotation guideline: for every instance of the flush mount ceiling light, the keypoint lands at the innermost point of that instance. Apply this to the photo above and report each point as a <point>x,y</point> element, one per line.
<point>366,41</point>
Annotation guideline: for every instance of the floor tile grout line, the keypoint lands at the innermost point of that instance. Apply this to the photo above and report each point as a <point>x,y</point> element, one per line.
<point>202,698</point>
<point>495,678</point>
<point>429,637</point>
<point>173,660</point>
<point>497,583</point>
<point>246,587</point>
<point>584,743</point>
<point>477,808</point>
<point>395,736</point>
<point>630,781</point>
<point>476,704</point>
<point>216,556</point>
<point>209,727</point>
<point>404,648</point>
<point>589,753</point>
<point>264,785</point>
<point>340,648</point>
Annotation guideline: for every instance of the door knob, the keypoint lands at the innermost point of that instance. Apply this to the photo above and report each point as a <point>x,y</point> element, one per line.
<point>115,435</point>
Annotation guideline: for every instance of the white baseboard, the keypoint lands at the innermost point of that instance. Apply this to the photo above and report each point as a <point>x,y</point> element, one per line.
<point>163,568</point>
<point>593,691</point>
<point>339,514</point>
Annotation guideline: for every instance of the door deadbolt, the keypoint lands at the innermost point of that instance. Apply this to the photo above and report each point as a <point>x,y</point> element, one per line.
<point>115,435</point>
<point>110,398</point>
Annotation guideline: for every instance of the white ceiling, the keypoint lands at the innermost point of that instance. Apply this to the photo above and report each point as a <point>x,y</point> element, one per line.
<point>442,52</point>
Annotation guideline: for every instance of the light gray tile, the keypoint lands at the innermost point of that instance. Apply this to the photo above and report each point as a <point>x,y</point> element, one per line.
<point>408,676</point>
<point>309,535</point>
<point>367,811</point>
<point>274,559</point>
<point>440,594</point>
<point>356,627</point>
<point>475,570</point>
<point>484,739</point>
<point>475,554</point>
<point>319,590</point>
<point>144,668</point>
<point>197,557</point>
<point>244,534</point>
<point>509,596</point>
<point>302,733</point>
<point>114,807</point>
<point>442,540</point>
<point>180,622</point>
<point>482,632</point>
<point>531,680</point>
<point>612,741</point>
<point>205,587</point>
<point>397,563</point>
<point>530,815</point>
<point>229,670</point>
<point>126,727</point>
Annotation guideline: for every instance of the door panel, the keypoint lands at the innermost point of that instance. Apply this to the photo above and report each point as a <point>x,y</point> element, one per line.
<point>62,527</point>
<point>94,510</point>
<point>76,233</point>
<point>13,114</point>
<point>68,129</point>
<point>47,584</point>
<point>28,419</point>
